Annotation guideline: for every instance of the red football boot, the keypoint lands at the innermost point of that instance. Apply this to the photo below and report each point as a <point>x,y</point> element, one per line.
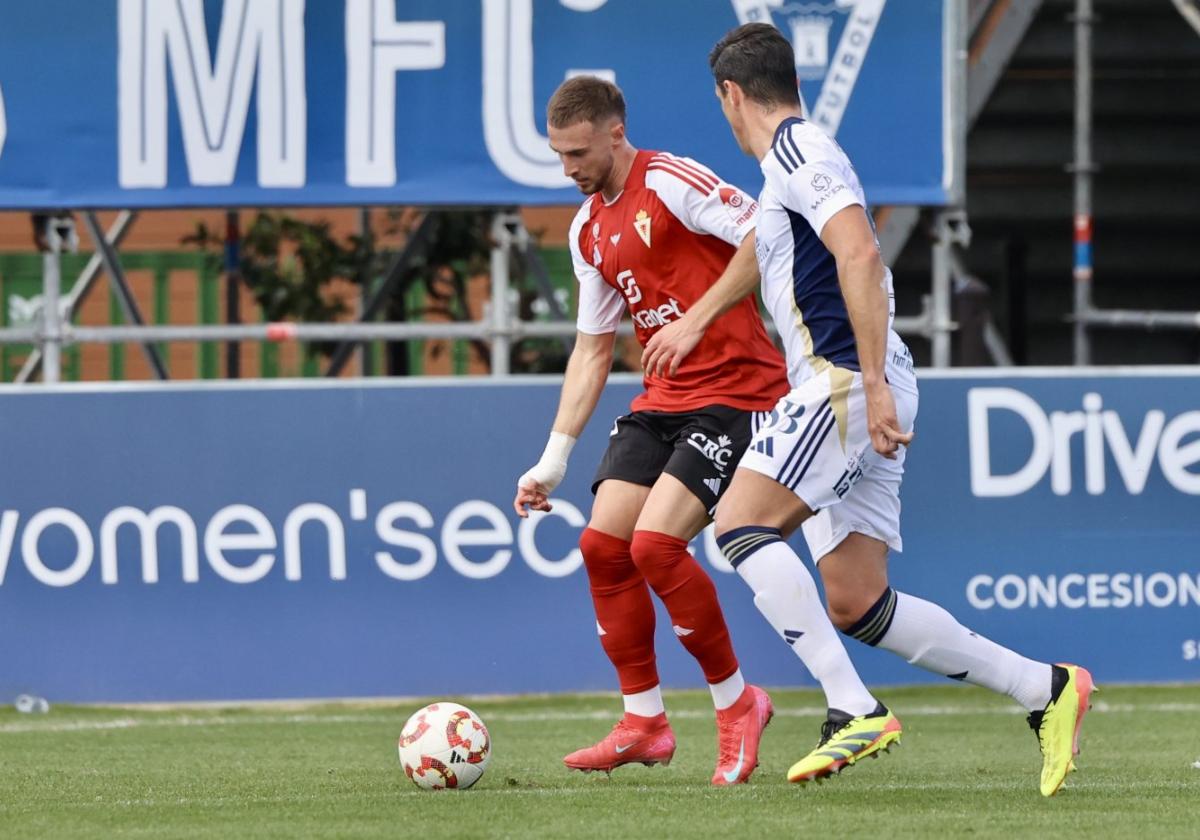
<point>648,740</point>
<point>739,729</point>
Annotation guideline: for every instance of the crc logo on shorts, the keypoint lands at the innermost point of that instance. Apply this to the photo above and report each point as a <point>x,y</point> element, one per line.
<point>719,452</point>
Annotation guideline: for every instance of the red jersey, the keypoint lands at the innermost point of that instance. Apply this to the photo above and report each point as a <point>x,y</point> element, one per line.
<point>654,251</point>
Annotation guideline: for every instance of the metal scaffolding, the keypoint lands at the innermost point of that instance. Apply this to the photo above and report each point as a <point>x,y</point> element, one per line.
<point>500,325</point>
<point>1085,314</point>
<point>993,30</point>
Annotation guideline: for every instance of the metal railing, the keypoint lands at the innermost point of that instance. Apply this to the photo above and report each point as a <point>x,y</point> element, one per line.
<point>500,325</point>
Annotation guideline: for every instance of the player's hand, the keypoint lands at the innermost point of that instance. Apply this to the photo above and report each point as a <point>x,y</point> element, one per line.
<point>536,485</point>
<point>538,482</point>
<point>882,423</point>
<point>668,347</point>
<point>531,497</point>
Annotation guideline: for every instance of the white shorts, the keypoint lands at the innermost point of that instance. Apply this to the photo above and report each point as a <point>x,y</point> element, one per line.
<point>816,444</point>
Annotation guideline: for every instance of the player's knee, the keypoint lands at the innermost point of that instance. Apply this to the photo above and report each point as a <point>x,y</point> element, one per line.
<point>606,559</point>
<point>658,557</point>
<point>864,613</point>
<point>728,517</point>
<point>742,510</point>
<point>648,556</point>
<point>845,612</point>
<point>848,604</point>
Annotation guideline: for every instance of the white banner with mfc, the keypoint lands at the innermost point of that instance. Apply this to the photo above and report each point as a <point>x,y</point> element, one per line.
<point>278,102</point>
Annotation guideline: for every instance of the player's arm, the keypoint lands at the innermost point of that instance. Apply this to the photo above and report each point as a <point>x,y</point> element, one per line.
<point>587,373</point>
<point>849,237</point>
<point>824,189</point>
<point>600,310</point>
<point>668,347</point>
<point>705,205</point>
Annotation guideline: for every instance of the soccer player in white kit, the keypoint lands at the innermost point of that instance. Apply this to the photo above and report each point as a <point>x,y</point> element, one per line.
<point>831,457</point>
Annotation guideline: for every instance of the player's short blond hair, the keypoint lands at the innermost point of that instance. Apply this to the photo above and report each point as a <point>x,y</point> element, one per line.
<point>585,99</point>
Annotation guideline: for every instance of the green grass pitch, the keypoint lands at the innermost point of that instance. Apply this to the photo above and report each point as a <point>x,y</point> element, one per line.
<point>968,766</point>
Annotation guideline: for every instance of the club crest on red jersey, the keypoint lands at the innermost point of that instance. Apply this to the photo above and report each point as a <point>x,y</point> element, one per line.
<point>642,225</point>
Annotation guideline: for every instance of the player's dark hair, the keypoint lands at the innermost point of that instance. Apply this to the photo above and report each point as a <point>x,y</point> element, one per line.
<point>760,60</point>
<point>585,99</point>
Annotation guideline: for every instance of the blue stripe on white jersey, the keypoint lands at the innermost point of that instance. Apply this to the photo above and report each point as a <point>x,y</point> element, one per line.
<point>785,148</point>
<point>790,142</point>
<point>818,296</point>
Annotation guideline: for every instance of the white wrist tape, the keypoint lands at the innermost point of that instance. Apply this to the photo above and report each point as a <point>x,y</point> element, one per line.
<point>548,472</point>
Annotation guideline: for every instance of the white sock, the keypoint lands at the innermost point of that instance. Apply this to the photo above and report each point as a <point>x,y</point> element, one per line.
<point>646,703</point>
<point>727,691</point>
<point>929,637</point>
<point>786,594</point>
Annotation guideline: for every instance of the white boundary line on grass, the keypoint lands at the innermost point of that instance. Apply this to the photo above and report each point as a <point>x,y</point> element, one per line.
<point>33,726</point>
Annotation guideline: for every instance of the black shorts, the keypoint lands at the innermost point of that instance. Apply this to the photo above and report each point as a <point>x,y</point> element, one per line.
<point>701,448</point>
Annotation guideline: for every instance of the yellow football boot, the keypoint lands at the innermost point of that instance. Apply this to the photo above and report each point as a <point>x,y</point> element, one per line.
<point>1057,726</point>
<point>845,740</point>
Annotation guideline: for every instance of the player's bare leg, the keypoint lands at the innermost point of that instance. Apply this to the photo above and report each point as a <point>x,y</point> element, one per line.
<point>854,575</point>
<point>670,518</point>
<point>863,605</point>
<point>617,507</point>
<point>752,518</point>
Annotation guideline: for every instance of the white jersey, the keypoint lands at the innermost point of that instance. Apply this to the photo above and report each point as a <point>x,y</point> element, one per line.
<point>808,179</point>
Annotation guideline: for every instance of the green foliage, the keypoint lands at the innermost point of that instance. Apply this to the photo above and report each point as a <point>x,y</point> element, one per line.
<point>288,264</point>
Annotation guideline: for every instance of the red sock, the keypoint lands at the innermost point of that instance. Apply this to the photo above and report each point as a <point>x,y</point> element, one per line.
<point>690,598</point>
<point>624,611</point>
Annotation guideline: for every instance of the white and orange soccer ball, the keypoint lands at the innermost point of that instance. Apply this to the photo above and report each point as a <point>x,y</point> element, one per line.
<point>444,745</point>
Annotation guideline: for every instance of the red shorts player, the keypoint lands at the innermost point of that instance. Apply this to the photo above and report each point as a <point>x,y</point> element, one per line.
<point>655,233</point>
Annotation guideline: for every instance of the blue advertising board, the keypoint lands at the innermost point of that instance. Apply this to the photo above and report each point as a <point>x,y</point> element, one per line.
<point>232,542</point>
<point>176,103</point>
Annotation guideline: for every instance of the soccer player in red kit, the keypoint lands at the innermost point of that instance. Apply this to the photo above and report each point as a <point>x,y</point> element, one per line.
<point>655,233</point>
